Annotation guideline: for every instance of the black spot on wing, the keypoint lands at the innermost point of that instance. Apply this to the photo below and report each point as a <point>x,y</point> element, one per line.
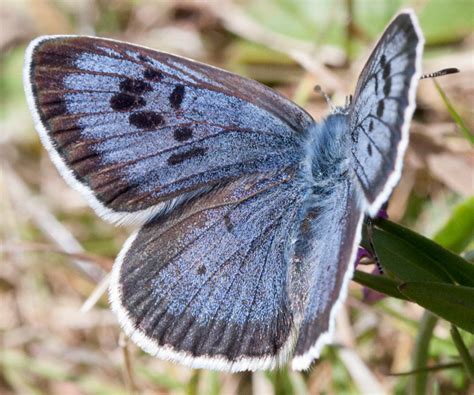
<point>380,108</point>
<point>137,87</point>
<point>176,97</point>
<point>369,149</point>
<point>201,270</point>
<point>125,102</point>
<point>387,87</point>
<point>386,71</point>
<point>176,159</point>
<point>152,75</point>
<point>183,134</point>
<point>228,223</point>
<point>145,119</point>
<point>383,60</point>
<point>371,125</point>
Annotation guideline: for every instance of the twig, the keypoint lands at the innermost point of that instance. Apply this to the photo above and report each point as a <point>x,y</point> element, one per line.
<point>433,368</point>
<point>128,369</point>
<point>96,294</point>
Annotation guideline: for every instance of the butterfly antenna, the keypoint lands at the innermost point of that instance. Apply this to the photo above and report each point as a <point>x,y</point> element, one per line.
<point>440,73</point>
<point>319,90</point>
<point>370,237</point>
<point>348,101</point>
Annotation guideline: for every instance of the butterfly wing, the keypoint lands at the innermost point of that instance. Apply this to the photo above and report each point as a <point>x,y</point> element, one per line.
<point>383,106</point>
<point>138,131</point>
<point>322,266</point>
<point>206,285</point>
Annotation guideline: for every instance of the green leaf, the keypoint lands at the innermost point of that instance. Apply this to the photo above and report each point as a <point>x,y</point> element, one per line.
<point>458,232</point>
<point>404,261</point>
<point>454,114</point>
<point>454,303</point>
<point>381,284</point>
<point>430,257</point>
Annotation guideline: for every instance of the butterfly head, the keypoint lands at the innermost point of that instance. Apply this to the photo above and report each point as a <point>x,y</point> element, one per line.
<point>334,109</point>
<point>344,110</point>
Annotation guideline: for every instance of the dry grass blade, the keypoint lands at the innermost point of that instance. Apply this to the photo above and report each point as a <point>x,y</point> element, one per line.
<point>98,260</point>
<point>454,114</point>
<point>434,368</point>
<point>357,368</point>
<point>128,368</point>
<point>48,224</point>
<point>366,382</point>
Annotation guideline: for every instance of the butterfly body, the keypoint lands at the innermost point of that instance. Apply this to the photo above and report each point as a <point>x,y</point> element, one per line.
<point>249,211</point>
<point>328,150</point>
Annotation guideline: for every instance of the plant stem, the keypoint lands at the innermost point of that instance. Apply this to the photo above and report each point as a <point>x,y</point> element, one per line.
<point>466,357</point>
<point>418,382</point>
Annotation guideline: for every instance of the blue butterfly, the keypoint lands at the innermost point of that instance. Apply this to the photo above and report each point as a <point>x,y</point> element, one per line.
<point>250,212</point>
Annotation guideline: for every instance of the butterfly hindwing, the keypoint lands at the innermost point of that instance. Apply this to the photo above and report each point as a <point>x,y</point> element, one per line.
<point>382,108</point>
<point>207,285</point>
<point>322,267</point>
<point>137,131</point>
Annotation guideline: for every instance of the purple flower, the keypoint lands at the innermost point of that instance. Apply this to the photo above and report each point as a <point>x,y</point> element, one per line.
<point>369,295</point>
<point>362,253</point>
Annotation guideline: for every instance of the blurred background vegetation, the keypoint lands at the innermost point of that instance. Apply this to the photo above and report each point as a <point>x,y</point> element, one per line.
<point>57,335</point>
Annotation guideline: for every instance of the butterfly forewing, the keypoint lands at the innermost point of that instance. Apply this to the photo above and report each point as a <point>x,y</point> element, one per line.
<point>383,105</point>
<point>132,128</point>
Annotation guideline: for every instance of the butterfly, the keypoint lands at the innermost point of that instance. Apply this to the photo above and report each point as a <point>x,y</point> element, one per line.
<point>249,212</point>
